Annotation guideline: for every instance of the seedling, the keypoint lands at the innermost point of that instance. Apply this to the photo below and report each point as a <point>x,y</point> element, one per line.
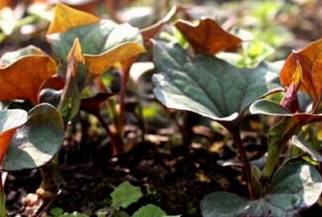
<point>211,87</point>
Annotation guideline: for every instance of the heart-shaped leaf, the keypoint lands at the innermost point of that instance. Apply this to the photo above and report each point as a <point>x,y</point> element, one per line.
<point>10,120</point>
<point>104,43</point>
<point>206,85</point>
<point>36,142</point>
<point>21,79</point>
<point>207,36</point>
<point>297,185</point>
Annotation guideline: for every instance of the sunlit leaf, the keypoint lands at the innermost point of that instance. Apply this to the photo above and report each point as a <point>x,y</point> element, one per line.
<point>97,64</point>
<point>206,85</point>
<point>207,36</point>
<point>310,60</point>
<point>103,42</point>
<point>66,17</point>
<point>4,3</point>
<point>36,142</point>
<point>12,56</point>
<point>10,120</point>
<point>24,76</point>
<point>297,185</point>
<point>70,96</point>
<point>268,107</point>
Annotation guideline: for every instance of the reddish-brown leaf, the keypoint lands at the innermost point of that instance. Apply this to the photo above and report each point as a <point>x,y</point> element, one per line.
<point>310,60</point>
<point>207,36</point>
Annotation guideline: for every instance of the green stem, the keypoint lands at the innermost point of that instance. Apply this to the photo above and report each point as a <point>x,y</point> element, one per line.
<point>279,135</point>
<point>3,211</point>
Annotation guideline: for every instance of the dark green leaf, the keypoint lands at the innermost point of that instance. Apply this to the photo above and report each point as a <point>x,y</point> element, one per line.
<point>295,186</point>
<point>207,85</point>
<point>36,142</point>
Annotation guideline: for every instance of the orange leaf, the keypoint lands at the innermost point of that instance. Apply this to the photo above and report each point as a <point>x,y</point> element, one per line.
<point>24,78</point>
<point>4,3</point>
<point>207,36</point>
<point>310,60</point>
<point>97,64</point>
<point>66,17</point>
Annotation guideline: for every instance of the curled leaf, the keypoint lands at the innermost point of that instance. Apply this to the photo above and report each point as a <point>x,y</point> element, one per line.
<point>24,77</point>
<point>97,64</point>
<point>66,17</point>
<point>310,60</point>
<point>307,148</point>
<point>103,42</point>
<point>149,32</point>
<point>10,120</point>
<point>70,96</point>
<point>207,36</point>
<point>36,142</point>
<point>268,107</point>
<point>12,56</point>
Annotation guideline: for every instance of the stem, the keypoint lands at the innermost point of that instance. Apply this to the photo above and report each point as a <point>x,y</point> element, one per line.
<point>116,139</point>
<point>278,138</point>
<point>234,130</point>
<point>51,179</point>
<point>121,120</point>
<point>3,211</point>
<point>125,70</point>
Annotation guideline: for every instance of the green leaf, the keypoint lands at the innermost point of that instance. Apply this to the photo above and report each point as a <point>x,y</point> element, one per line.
<point>295,186</point>
<point>94,38</point>
<point>37,141</point>
<point>149,210</point>
<point>207,85</point>
<point>268,107</point>
<point>300,143</point>
<point>56,211</point>
<point>125,194</point>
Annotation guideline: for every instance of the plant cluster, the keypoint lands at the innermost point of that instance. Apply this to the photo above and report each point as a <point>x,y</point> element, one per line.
<point>42,94</point>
